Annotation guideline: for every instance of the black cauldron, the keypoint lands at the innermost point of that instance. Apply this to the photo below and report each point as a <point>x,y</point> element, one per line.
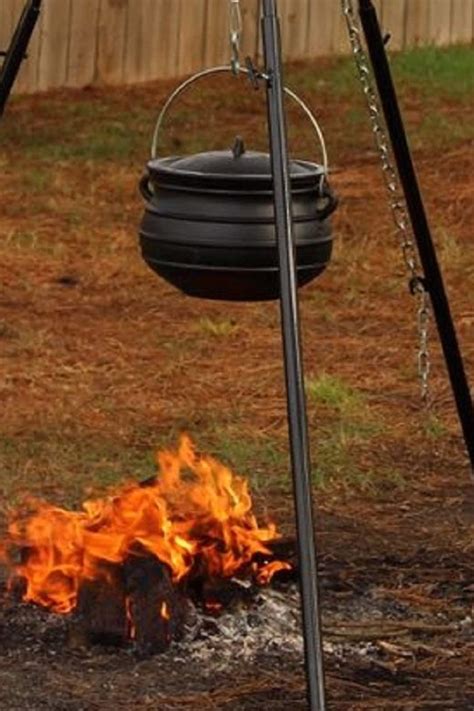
<point>209,226</point>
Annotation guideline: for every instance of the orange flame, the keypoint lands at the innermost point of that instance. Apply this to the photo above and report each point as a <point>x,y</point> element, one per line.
<point>213,607</point>
<point>164,612</point>
<point>132,630</point>
<point>196,512</point>
<point>265,573</point>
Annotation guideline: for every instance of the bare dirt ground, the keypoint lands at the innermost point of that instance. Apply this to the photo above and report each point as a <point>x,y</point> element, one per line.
<point>101,362</point>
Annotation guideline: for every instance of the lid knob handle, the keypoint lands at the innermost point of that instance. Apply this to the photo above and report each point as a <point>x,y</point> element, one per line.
<point>238,149</point>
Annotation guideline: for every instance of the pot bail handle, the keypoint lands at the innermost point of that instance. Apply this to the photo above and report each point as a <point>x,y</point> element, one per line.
<point>327,200</point>
<point>242,70</point>
<point>144,187</point>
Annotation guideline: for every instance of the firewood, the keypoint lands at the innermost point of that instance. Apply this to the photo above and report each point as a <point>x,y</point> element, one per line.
<point>100,616</point>
<point>155,608</point>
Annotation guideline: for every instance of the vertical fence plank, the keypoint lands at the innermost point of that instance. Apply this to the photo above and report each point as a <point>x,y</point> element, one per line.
<point>393,17</point>
<point>378,5</point>
<point>440,22</point>
<point>461,21</point>
<point>162,39</point>
<point>54,43</point>
<point>322,24</point>
<point>417,22</point>
<point>111,34</point>
<point>83,43</point>
<point>139,42</point>
<point>192,16</point>
<point>216,33</point>
<point>294,16</point>
<point>251,35</point>
<point>340,38</point>
<point>7,13</point>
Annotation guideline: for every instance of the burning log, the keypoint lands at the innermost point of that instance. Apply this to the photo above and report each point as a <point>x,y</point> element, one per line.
<point>155,608</point>
<point>135,602</point>
<point>101,613</point>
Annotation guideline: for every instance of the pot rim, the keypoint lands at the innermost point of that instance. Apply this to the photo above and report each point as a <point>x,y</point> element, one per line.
<point>162,168</point>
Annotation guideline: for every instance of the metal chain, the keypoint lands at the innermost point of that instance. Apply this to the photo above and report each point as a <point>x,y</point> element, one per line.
<point>395,196</point>
<point>235,22</point>
<point>424,363</point>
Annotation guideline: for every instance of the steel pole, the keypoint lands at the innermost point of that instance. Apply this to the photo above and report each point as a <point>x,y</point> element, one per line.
<point>421,229</point>
<point>296,402</point>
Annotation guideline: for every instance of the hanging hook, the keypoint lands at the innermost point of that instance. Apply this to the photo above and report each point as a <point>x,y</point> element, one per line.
<point>235,19</point>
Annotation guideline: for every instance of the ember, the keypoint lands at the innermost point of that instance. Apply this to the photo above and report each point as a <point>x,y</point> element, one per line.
<point>142,547</point>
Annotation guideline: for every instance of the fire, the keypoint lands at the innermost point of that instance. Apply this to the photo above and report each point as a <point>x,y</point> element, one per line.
<point>213,607</point>
<point>264,574</point>
<point>195,515</point>
<point>132,632</point>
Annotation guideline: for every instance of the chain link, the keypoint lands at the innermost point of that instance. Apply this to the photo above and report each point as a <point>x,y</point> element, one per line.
<point>424,364</point>
<point>235,22</point>
<point>395,196</point>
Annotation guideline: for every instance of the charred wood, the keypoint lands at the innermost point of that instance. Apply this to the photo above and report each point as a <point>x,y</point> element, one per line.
<point>155,608</point>
<point>100,616</point>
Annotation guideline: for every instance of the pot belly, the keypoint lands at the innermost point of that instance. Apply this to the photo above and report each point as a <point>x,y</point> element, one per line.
<point>229,261</point>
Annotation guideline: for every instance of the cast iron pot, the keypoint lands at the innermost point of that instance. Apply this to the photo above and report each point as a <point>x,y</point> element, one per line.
<point>209,227</point>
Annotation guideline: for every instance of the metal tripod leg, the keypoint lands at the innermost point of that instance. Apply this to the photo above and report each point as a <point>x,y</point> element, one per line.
<point>297,418</point>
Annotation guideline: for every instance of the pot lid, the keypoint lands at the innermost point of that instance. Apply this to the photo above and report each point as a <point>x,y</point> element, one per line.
<point>236,168</point>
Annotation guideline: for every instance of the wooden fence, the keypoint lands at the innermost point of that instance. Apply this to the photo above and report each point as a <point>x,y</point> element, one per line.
<point>81,42</point>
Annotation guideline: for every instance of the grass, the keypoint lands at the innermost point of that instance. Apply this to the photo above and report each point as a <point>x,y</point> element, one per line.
<point>448,73</point>
<point>116,135</point>
<point>38,179</point>
<point>450,248</point>
<point>431,71</point>
<point>428,80</point>
<point>435,128</point>
<point>29,240</point>
<point>99,129</point>
<point>335,463</point>
<point>218,328</point>
<point>332,391</point>
<point>342,421</point>
<point>434,427</point>
<point>48,464</point>
<point>261,459</point>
